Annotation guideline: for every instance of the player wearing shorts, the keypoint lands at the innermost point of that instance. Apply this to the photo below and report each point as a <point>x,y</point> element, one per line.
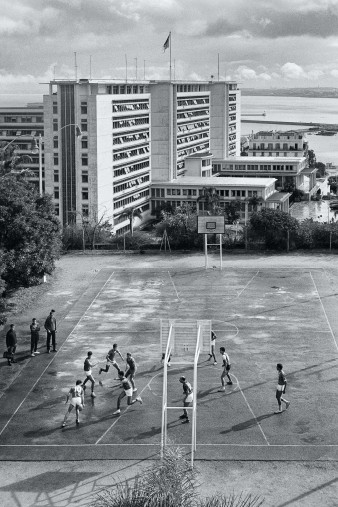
<point>212,347</point>
<point>88,371</point>
<point>281,388</point>
<point>110,357</point>
<point>131,370</point>
<point>188,397</point>
<point>226,368</point>
<point>127,391</point>
<point>76,395</point>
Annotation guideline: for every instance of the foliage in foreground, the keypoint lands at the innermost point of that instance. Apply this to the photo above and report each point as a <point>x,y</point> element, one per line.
<point>170,482</point>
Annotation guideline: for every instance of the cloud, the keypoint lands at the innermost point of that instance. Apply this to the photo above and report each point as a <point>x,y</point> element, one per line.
<point>244,73</point>
<point>292,71</point>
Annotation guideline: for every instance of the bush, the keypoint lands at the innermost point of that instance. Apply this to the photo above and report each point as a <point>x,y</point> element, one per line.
<point>170,482</point>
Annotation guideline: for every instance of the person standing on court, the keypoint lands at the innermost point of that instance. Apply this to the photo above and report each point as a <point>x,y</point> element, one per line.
<point>226,368</point>
<point>127,391</point>
<point>212,347</point>
<point>11,342</point>
<point>76,395</point>
<point>281,388</point>
<point>88,365</point>
<point>188,397</point>
<point>50,327</point>
<point>35,328</point>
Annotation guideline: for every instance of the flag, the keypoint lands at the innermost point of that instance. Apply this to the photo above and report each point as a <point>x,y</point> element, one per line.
<point>167,43</point>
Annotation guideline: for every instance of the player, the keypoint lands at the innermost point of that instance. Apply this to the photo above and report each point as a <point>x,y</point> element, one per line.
<point>169,359</point>
<point>77,400</point>
<point>127,391</point>
<point>187,399</point>
<point>111,359</point>
<point>131,370</point>
<point>281,388</point>
<point>88,371</point>
<point>226,368</point>
<point>212,347</point>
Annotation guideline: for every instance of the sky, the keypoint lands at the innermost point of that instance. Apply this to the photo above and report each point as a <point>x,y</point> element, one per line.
<point>258,43</point>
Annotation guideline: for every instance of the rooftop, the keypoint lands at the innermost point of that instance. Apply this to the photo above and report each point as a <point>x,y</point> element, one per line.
<point>195,181</point>
<point>261,160</point>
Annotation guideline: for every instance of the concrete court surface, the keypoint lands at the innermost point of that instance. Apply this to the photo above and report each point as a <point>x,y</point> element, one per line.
<point>263,313</point>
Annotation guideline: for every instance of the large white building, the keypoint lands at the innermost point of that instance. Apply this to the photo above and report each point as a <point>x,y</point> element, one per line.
<point>132,134</point>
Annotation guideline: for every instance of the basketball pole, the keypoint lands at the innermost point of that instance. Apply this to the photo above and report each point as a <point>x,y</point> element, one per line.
<point>206,251</point>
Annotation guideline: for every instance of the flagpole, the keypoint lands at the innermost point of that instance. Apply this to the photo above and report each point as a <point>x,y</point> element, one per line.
<point>170,52</point>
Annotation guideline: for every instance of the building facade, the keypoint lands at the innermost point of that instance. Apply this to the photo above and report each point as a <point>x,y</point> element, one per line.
<point>190,190</point>
<point>287,171</point>
<point>19,126</point>
<point>132,134</point>
<point>278,144</point>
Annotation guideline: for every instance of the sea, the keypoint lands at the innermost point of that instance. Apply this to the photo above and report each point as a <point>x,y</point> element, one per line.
<point>294,109</point>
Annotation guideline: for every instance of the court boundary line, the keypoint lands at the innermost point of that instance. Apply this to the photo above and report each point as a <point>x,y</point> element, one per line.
<point>172,281</point>
<point>48,365</point>
<point>134,444</point>
<point>324,311</point>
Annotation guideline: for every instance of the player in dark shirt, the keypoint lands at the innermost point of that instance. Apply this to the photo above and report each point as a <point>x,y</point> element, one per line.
<point>127,391</point>
<point>281,388</point>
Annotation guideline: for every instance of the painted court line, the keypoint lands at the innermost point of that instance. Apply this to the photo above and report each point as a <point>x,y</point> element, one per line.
<point>327,320</point>
<point>246,286</point>
<point>246,401</point>
<point>48,365</point>
<point>118,417</point>
<point>172,281</point>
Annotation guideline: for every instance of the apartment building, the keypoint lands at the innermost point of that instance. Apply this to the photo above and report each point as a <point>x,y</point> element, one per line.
<point>19,126</point>
<point>285,170</point>
<point>278,144</point>
<point>132,134</point>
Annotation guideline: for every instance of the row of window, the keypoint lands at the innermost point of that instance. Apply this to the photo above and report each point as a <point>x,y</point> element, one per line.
<point>128,200</point>
<point>254,167</point>
<point>131,122</point>
<point>192,114</point>
<point>193,102</point>
<point>21,119</point>
<point>130,169</point>
<point>277,154</point>
<point>190,139</point>
<point>191,192</point>
<point>131,183</point>
<point>276,146</point>
<point>129,106</point>
<point>194,149</point>
<point>131,153</point>
<point>129,138</point>
<point>192,126</point>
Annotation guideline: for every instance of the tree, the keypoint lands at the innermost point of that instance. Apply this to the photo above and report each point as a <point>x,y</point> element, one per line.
<point>273,226</point>
<point>232,211</point>
<point>181,227</point>
<point>211,198</point>
<point>130,214</point>
<point>30,232</point>
<point>311,159</point>
<point>321,169</point>
<point>255,201</point>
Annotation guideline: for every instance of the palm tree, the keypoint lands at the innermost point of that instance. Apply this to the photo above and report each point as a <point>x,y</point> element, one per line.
<point>211,199</point>
<point>255,201</point>
<point>130,213</point>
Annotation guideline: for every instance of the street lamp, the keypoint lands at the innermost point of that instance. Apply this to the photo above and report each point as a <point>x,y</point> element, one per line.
<point>37,148</point>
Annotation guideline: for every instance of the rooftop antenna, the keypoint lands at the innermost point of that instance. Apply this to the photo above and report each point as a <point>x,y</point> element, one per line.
<point>135,68</point>
<point>75,65</point>
<point>174,69</point>
<point>144,70</point>
<point>217,66</point>
<point>125,57</point>
<point>54,68</point>
<point>90,66</point>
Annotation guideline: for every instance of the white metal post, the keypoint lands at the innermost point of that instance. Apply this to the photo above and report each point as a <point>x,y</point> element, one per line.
<point>206,250</point>
<point>220,251</point>
<point>40,164</point>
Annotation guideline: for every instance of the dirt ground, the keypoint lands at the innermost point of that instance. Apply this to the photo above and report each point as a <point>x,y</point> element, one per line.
<point>282,483</point>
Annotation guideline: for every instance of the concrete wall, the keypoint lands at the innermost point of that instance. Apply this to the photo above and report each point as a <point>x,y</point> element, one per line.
<point>162,142</point>
<point>104,152</point>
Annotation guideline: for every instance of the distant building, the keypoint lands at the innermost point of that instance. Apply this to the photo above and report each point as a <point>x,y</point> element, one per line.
<point>285,170</point>
<point>22,125</point>
<point>278,144</point>
<point>187,190</point>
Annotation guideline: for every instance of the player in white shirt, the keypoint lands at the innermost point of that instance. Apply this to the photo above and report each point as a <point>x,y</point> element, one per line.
<point>76,395</point>
<point>226,368</point>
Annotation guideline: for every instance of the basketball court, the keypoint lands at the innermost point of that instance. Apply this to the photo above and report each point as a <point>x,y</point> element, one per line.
<point>261,317</point>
